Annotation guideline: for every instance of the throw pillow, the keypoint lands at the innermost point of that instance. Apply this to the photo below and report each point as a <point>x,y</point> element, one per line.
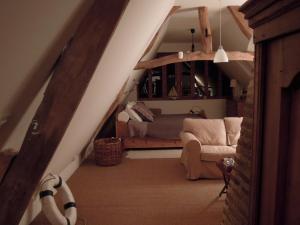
<point>233,129</point>
<point>132,114</point>
<point>142,110</point>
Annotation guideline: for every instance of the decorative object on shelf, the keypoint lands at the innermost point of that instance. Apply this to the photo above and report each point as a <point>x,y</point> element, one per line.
<point>173,93</point>
<point>220,55</point>
<point>180,55</point>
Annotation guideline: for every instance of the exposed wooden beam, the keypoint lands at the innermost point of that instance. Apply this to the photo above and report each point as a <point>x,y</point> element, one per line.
<point>192,56</point>
<point>60,102</point>
<point>172,11</point>
<point>205,36</point>
<point>6,158</point>
<point>241,21</point>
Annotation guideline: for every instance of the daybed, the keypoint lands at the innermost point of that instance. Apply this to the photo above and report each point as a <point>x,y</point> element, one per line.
<point>160,131</point>
<point>206,141</point>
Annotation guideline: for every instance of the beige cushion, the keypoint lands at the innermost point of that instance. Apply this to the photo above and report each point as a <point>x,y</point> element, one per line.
<point>208,131</point>
<point>213,153</point>
<point>123,116</point>
<point>233,129</point>
<point>132,114</point>
<point>141,109</point>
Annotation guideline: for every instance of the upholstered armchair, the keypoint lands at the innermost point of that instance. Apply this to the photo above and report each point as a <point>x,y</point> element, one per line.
<point>205,142</point>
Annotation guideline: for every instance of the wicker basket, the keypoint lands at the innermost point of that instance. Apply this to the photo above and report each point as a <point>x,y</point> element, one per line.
<point>108,151</point>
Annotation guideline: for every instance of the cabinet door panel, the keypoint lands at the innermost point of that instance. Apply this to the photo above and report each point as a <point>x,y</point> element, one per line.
<point>280,181</point>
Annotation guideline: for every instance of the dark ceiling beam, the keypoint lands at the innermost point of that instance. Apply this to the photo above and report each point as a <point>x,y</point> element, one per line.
<point>61,99</point>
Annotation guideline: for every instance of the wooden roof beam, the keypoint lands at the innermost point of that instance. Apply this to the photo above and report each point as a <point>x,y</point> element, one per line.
<point>192,56</point>
<point>172,11</point>
<point>61,99</point>
<point>241,21</point>
<point>205,34</point>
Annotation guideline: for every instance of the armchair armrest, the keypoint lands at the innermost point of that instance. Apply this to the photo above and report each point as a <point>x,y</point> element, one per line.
<point>190,156</point>
<point>189,139</point>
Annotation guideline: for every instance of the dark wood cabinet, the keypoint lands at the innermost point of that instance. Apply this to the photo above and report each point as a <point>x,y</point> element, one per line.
<point>275,197</point>
<point>234,108</point>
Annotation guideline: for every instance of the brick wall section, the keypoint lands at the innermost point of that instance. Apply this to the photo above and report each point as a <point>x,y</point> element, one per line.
<point>236,210</point>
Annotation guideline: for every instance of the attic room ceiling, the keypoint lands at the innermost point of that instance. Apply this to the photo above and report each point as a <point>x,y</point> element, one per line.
<point>178,30</point>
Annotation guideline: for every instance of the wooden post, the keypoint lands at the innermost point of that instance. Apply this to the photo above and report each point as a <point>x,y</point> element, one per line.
<point>178,78</point>
<point>220,84</point>
<point>206,78</point>
<point>60,102</point>
<point>205,36</point>
<point>150,91</point>
<point>192,78</point>
<point>164,82</point>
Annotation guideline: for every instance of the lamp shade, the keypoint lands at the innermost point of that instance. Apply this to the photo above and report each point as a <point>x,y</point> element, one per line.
<point>220,55</point>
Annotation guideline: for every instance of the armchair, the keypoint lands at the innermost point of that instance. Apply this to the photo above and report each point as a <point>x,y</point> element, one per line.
<point>205,142</point>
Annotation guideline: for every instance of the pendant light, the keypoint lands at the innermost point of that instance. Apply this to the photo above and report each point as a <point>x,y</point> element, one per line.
<point>220,55</point>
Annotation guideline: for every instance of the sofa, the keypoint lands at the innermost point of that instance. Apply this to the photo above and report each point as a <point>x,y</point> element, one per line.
<point>206,141</point>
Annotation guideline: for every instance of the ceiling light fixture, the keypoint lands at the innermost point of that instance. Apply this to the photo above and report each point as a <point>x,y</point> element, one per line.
<point>220,55</point>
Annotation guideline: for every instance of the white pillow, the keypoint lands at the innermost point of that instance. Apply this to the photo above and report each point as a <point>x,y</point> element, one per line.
<point>132,114</point>
<point>130,104</point>
<point>123,116</point>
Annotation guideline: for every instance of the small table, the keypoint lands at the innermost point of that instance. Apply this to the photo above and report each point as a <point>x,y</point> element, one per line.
<point>226,166</point>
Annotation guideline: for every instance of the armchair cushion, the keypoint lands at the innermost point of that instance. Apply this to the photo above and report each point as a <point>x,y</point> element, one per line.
<point>233,129</point>
<point>213,153</point>
<point>208,131</point>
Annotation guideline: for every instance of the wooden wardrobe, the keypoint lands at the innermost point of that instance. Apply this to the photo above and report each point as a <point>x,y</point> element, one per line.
<point>275,197</point>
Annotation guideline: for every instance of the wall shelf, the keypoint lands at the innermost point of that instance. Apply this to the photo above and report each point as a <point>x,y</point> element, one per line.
<point>184,81</point>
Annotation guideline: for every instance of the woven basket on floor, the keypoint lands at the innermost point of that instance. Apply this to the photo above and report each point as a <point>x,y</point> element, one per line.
<point>108,151</point>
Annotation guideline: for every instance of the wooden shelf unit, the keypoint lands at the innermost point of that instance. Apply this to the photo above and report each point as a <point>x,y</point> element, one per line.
<point>184,81</point>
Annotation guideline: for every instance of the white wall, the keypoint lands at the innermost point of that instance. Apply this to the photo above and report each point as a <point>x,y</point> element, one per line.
<point>214,108</point>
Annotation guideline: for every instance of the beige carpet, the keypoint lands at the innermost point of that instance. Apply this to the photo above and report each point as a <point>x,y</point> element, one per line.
<point>143,192</point>
<point>153,154</point>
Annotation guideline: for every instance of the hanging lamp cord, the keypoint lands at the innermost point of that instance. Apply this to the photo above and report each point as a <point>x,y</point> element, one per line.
<point>220,6</point>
